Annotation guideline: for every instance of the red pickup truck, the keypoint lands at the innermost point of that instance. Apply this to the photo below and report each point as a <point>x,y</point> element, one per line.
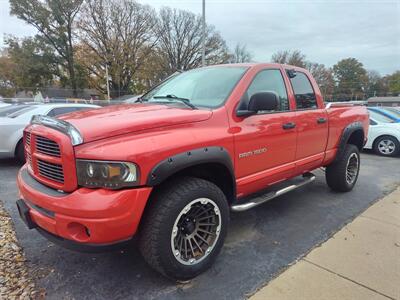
<point>169,168</point>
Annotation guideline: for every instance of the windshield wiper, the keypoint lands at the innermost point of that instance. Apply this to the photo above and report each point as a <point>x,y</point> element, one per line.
<point>173,97</point>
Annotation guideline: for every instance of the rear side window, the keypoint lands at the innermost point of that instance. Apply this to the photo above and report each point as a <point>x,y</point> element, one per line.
<point>269,81</point>
<point>303,91</point>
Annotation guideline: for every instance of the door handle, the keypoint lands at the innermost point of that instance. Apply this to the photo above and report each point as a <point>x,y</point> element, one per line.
<point>289,125</point>
<point>321,120</point>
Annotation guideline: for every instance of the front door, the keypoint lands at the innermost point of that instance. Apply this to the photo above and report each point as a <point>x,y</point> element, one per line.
<point>265,145</point>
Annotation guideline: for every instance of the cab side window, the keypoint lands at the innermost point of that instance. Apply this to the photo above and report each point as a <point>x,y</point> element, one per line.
<point>304,93</point>
<point>268,81</point>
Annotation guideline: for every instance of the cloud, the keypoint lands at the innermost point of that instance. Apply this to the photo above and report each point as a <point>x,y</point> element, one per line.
<point>325,31</point>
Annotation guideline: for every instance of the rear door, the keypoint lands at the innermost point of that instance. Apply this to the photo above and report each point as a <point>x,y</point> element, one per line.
<point>311,123</point>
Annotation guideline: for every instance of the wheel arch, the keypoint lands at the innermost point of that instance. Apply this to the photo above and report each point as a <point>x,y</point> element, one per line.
<point>19,142</point>
<point>352,134</point>
<point>210,163</point>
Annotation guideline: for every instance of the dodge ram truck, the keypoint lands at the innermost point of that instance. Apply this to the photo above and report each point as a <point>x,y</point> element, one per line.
<point>168,169</point>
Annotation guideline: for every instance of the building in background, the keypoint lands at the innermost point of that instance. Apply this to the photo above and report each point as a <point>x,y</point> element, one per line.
<point>384,101</point>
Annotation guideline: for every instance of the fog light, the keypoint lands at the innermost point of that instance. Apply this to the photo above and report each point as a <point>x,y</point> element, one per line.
<point>78,232</point>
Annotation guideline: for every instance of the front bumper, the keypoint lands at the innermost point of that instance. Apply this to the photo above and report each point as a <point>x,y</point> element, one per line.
<point>85,216</point>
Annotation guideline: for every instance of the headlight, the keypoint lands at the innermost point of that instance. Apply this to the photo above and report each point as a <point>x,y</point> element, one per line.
<point>106,174</point>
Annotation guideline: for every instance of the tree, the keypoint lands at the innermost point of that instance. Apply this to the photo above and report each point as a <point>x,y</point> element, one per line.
<point>351,78</point>
<point>376,85</point>
<point>294,58</point>
<point>54,19</point>
<point>179,35</point>
<point>26,64</point>
<point>240,54</point>
<point>7,75</point>
<point>119,34</point>
<point>324,77</point>
<point>36,63</point>
<point>394,83</point>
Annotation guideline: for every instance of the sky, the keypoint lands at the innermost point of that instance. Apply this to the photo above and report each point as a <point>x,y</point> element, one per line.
<point>324,30</point>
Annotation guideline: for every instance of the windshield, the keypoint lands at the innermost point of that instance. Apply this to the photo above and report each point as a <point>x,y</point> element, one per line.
<point>207,87</point>
<point>380,118</point>
<point>12,109</point>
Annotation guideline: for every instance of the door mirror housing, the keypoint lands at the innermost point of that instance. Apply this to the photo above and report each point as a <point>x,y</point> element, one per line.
<point>262,101</point>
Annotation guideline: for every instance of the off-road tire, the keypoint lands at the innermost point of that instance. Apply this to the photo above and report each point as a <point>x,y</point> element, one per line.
<point>157,224</point>
<point>388,138</point>
<point>20,153</point>
<point>336,173</point>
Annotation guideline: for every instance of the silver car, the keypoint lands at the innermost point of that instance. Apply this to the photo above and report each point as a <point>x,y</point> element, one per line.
<point>14,118</point>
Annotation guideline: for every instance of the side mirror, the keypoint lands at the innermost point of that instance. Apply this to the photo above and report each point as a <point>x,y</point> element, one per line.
<point>262,101</point>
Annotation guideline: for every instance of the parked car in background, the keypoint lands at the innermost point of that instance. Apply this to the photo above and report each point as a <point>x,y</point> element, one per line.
<point>3,104</point>
<point>393,110</point>
<point>14,118</point>
<point>383,135</point>
<point>386,112</point>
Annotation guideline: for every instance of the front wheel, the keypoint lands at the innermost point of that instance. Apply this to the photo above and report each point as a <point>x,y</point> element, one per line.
<point>342,175</point>
<point>184,229</point>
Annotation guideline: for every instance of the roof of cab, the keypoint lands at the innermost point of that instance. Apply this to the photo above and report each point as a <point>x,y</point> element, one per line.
<point>251,65</point>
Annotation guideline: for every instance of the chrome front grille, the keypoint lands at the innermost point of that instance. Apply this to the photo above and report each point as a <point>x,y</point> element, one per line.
<point>28,138</point>
<point>47,146</point>
<point>29,159</point>
<point>45,160</point>
<point>50,171</point>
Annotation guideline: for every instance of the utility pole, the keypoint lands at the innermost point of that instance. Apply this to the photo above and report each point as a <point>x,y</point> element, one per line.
<point>203,38</point>
<point>107,83</point>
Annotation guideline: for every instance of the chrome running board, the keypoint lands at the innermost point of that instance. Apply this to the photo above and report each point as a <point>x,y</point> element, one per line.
<point>253,202</point>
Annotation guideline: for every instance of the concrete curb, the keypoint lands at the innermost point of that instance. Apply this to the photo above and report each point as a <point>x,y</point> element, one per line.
<point>361,261</point>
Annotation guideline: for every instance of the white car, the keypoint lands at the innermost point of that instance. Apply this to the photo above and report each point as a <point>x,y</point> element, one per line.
<point>3,104</point>
<point>383,135</point>
<point>14,118</point>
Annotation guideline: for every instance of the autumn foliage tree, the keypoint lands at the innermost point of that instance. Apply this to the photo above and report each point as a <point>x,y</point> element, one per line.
<point>179,35</point>
<point>54,20</point>
<point>294,58</point>
<point>119,34</point>
<point>240,54</point>
<point>351,79</point>
<point>78,40</point>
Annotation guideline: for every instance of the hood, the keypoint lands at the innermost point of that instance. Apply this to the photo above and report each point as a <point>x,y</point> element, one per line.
<point>121,119</point>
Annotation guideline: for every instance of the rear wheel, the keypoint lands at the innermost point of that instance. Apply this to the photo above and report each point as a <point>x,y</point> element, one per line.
<point>342,175</point>
<point>387,146</point>
<point>184,230</point>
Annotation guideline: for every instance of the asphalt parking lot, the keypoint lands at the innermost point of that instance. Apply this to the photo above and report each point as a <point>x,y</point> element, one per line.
<point>261,242</point>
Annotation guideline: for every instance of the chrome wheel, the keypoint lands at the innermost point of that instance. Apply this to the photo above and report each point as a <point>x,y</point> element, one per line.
<point>196,231</point>
<point>352,168</point>
<point>386,147</point>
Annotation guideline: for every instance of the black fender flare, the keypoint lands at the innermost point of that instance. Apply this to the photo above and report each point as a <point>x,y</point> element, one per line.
<point>190,158</point>
<point>344,138</point>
